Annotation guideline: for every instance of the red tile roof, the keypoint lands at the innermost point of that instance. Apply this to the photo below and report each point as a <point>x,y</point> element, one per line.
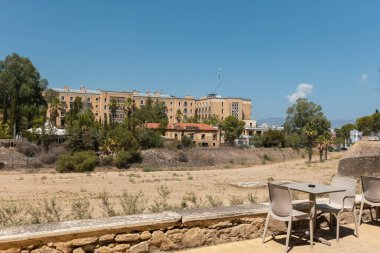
<point>184,126</point>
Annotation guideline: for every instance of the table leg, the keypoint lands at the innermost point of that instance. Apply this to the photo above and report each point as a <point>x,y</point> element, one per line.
<point>317,237</point>
<point>313,197</point>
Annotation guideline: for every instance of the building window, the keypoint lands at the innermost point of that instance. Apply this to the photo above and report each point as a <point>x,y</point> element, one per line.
<point>214,136</point>
<point>105,107</point>
<point>185,110</point>
<point>222,110</point>
<point>185,103</point>
<point>179,103</point>
<point>62,98</point>
<point>105,99</point>
<point>203,136</point>
<point>235,109</point>
<point>141,102</point>
<point>71,99</point>
<point>97,99</point>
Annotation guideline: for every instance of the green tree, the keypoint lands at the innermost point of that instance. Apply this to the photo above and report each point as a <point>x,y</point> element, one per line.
<point>344,131</point>
<point>232,127</point>
<point>22,88</point>
<point>273,138</point>
<point>302,113</point>
<point>365,124</point>
<point>213,120</point>
<point>151,112</point>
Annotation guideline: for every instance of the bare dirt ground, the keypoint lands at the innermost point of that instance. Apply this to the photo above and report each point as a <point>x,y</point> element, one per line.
<point>27,188</point>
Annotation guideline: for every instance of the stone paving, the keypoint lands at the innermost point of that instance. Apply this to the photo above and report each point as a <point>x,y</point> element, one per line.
<point>369,242</point>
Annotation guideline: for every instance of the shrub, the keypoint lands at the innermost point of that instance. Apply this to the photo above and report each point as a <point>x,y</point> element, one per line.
<point>148,138</point>
<point>125,158</point>
<point>161,204</point>
<point>187,141</point>
<point>106,160</point>
<point>252,198</point>
<point>235,200</point>
<point>80,209</point>
<point>132,203</point>
<point>106,205</point>
<point>181,157</point>
<point>28,149</point>
<point>53,154</point>
<point>214,201</point>
<point>77,162</point>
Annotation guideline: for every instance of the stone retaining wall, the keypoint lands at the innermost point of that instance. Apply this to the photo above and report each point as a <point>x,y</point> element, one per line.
<point>166,231</point>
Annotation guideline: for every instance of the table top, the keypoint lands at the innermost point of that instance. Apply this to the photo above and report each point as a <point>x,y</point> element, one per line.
<point>318,189</point>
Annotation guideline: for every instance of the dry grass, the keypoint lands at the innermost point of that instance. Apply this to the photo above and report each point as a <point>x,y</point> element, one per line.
<point>45,196</point>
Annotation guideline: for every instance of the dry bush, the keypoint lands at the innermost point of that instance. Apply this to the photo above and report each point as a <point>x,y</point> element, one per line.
<point>191,200</point>
<point>28,149</point>
<point>181,157</point>
<point>80,209</point>
<point>235,200</point>
<point>214,201</point>
<point>11,214</point>
<point>252,198</point>
<point>106,205</point>
<point>132,203</point>
<point>52,156</point>
<point>161,203</point>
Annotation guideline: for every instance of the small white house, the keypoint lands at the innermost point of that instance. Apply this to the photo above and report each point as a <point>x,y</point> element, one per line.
<point>355,135</point>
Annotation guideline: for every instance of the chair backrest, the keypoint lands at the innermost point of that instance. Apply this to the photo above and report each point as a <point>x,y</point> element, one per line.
<point>371,188</point>
<point>337,197</point>
<point>280,200</point>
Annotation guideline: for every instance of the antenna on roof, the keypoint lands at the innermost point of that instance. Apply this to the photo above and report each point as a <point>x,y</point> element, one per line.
<point>219,78</point>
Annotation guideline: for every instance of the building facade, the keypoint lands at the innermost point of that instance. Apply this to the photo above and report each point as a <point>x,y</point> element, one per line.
<point>202,135</point>
<point>179,109</point>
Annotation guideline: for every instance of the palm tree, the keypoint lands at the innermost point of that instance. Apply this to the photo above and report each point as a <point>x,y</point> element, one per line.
<point>178,116</point>
<point>327,142</point>
<point>113,107</point>
<point>129,108</point>
<point>311,134</point>
<point>55,107</point>
<point>321,146</point>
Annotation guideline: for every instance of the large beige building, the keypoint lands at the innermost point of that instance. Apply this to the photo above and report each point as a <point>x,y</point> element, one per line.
<point>98,102</point>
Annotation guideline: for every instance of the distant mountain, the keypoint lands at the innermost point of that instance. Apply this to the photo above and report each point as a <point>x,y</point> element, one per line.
<point>338,123</point>
<point>277,121</point>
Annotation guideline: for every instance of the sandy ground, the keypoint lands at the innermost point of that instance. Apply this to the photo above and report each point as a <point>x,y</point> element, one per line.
<point>28,188</point>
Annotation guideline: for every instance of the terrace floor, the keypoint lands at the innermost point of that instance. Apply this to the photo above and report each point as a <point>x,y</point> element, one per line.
<point>369,241</point>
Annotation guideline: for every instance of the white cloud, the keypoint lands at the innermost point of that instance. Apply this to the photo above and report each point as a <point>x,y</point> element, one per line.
<point>303,90</point>
<point>364,78</point>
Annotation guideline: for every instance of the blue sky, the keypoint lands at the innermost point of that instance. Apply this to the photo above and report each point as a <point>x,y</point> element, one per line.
<point>266,48</point>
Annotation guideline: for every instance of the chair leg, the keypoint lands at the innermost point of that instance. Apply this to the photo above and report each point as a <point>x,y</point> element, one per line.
<point>266,227</point>
<point>356,223</point>
<point>288,235</point>
<point>337,227</point>
<point>370,212</point>
<point>377,213</point>
<point>311,233</point>
<point>361,212</point>
<point>331,221</point>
